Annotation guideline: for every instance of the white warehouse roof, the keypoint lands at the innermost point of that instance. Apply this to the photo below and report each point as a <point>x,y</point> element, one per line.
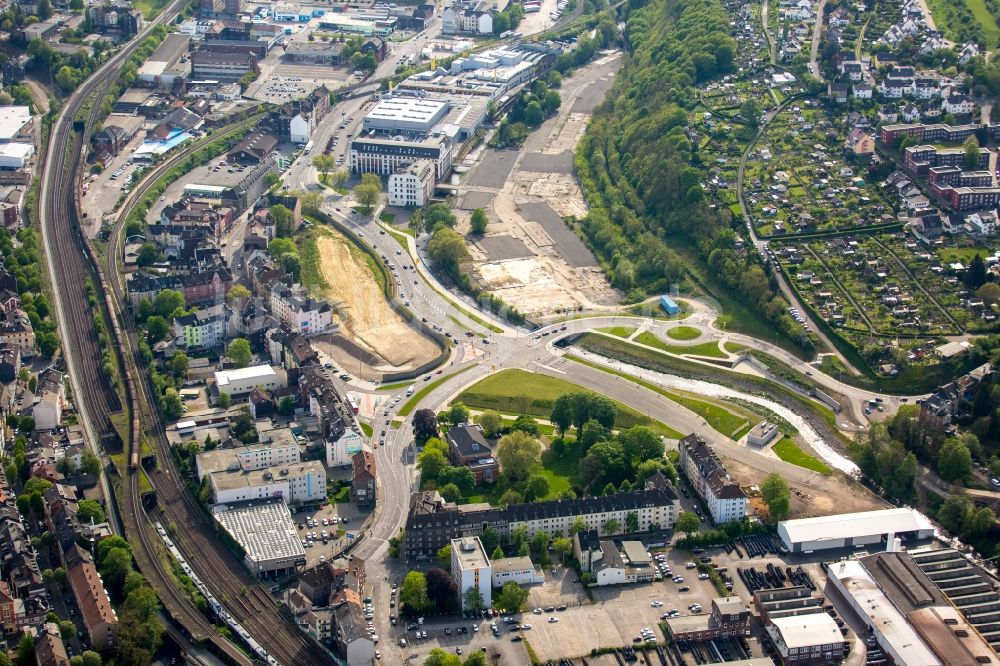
<point>226,377</point>
<point>12,119</point>
<point>802,631</point>
<point>847,525</point>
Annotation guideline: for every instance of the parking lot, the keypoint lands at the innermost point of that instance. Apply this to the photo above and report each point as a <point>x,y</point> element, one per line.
<point>349,519</point>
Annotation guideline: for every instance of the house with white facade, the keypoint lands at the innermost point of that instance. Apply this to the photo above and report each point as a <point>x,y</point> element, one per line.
<point>725,499</point>
<point>470,568</point>
<point>413,185</point>
<point>202,329</point>
<point>302,312</point>
<point>50,400</point>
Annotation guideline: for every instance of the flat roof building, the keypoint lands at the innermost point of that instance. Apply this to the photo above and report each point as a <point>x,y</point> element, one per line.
<point>762,433</point>
<point>848,530</point>
<point>12,121</point>
<point>470,569</point>
<point>893,633</point>
<point>244,380</point>
<point>405,114</point>
<point>266,533</point>
<point>520,570</point>
<point>813,638</point>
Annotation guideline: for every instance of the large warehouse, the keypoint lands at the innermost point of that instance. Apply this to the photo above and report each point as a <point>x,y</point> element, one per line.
<point>850,530</point>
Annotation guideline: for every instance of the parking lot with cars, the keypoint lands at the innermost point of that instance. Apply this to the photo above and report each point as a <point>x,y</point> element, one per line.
<point>327,530</point>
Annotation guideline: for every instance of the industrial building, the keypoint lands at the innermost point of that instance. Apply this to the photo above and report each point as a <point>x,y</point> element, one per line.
<point>416,115</point>
<point>13,122</point>
<point>729,617</point>
<point>470,568</point>
<point>15,155</point>
<point>813,638</point>
<point>267,535</point>
<point>243,380</point>
<point>851,530</point>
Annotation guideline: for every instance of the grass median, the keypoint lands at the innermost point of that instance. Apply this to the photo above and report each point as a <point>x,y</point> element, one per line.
<point>683,332</point>
<point>410,404</point>
<point>710,348</point>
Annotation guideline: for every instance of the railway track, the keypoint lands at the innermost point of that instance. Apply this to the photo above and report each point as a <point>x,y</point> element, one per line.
<point>71,261</point>
<point>226,577</point>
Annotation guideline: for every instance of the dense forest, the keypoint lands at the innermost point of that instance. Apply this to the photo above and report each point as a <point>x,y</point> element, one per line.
<point>649,218</point>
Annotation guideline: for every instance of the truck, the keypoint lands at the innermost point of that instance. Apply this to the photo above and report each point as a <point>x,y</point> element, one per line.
<point>309,147</point>
<point>409,391</point>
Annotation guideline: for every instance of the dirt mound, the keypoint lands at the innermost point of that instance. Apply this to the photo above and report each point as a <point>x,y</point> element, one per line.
<point>368,319</point>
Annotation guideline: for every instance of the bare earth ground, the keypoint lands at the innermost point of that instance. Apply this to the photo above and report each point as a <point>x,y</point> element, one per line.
<point>545,282</point>
<point>823,496</point>
<point>365,315</point>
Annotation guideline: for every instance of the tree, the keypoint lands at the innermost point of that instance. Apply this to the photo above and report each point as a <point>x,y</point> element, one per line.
<point>284,219</point>
<point>981,522</point>
<point>324,163</point>
<point>509,497</point>
<point>439,657</point>
<point>239,352</point>
<point>148,255</point>
<point>224,400</point>
<point>512,597</point>
<point>579,525</point>
<point>26,651</point>
<point>424,425</point>
<point>562,413</point>
<point>91,658</point>
<point>975,274</point>
<point>367,196</point>
<point>533,114</point>
<point>171,405</point>
<point>458,413</point>
<point>609,489</point>
<point>777,496</point>
<point>339,178</point>
<point>970,150</point>
<point>286,406</point>
<point>90,510</point>
<point>475,658</point>
<point>280,247</point>
<point>441,589</point>
<point>167,302</point>
<point>687,522</point>
<point>750,110</point>
<point>491,422</point>
<point>451,492</point>
<point>157,328</point>
<point>526,424</point>
<point>67,629</point>
<point>497,553</point>
<point>473,599</point>
<point>563,546</point>
<point>954,460</point>
<point>117,565</point>
<point>413,595</point>
<point>443,556</point>
<point>447,250</point>
<point>430,462</point>
<point>641,444</point>
<point>611,526</point>
<point>518,453</point>
<point>631,522</point>
<point>438,215</point>
<point>478,222</point>
<point>490,538</point>
<point>108,544</point>
<point>463,478</point>
<point>237,293</point>
<point>955,513</point>
<point>536,488</point>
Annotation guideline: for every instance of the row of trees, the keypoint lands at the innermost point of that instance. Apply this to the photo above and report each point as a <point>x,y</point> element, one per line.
<point>640,172</point>
<point>23,263</point>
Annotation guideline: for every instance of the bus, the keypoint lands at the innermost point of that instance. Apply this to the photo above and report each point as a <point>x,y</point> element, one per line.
<point>352,403</point>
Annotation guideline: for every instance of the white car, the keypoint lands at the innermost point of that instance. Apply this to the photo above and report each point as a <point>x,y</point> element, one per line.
<point>537,611</point>
<point>656,604</point>
<point>703,576</point>
<point>553,620</point>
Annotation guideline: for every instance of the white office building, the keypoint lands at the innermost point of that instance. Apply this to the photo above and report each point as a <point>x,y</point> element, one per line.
<point>413,185</point>
<point>520,570</point>
<point>339,452</point>
<point>470,568</point>
<point>300,482</point>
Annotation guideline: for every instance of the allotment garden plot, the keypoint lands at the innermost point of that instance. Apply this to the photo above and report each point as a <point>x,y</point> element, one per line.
<point>797,181</point>
<point>885,286</point>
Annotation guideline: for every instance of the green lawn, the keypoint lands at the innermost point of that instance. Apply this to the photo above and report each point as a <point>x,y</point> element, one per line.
<point>710,348</point>
<point>150,8</point>
<point>683,332</point>
<point>522,392</point>
<point>343,494</point>
<point>719,418</point>
<point>561,473</point>
<point>366,429</point>
<point>963,254</point>
<point>734,347</point>
<point>388,218</point>
<point>394,387</point>
<point>790,452</point>
<point>618,331</point>
<point>411,404</point>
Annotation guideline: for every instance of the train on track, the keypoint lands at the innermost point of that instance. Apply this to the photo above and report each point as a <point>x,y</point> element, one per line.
<point>221,613</point>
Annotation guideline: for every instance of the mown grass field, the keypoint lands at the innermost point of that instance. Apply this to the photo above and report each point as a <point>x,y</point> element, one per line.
<point>710,348</point>
<point>516,391</point>
<point>790,452</point>
<point>618,331</point>
<point>683,332</point>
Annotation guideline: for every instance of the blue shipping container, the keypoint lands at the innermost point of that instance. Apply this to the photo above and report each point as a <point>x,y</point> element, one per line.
<point>668,304</point>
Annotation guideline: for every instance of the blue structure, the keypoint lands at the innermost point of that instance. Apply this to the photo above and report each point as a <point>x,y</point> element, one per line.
<point>669,305</point>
